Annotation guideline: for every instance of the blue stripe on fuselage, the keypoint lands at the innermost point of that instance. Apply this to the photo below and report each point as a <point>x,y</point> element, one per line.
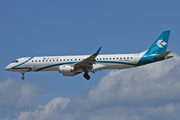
<point>146,59</point>
<point>15,67</point>
<point>49,66</point>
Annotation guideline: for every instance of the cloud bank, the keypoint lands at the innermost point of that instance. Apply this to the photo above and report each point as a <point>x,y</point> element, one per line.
<point>16,95</point>
<point>143,93</point>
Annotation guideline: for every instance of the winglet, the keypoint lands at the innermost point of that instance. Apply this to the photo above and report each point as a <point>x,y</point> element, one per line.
<point>95,54</point>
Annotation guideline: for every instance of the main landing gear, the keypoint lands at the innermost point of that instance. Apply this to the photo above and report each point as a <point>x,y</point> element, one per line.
<point>86,76</point>
<point>22,75</point>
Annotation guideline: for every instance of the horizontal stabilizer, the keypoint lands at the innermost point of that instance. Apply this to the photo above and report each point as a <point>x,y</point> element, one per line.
<point>163,55</point>
<point>169,57</point>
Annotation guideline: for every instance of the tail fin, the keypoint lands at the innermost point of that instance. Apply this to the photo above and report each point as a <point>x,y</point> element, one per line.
<point>160,45</point>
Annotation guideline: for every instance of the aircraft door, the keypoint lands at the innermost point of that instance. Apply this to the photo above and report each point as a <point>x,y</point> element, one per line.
<point>26,63</point>
<point>137,57</point>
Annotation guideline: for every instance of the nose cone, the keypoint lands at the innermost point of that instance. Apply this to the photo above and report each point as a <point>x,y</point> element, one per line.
<point>8,68</point>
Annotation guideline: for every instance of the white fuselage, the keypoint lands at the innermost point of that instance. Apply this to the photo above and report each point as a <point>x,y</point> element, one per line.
<point>52,63</point>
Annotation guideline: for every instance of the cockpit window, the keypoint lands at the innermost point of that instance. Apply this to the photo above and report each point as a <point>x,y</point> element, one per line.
<point>15,61</point>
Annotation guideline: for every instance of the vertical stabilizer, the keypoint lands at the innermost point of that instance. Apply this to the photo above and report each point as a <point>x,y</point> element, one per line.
<point>160,45</point>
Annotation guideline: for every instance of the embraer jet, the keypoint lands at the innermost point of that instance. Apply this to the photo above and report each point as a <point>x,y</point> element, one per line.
<point>74,65</point>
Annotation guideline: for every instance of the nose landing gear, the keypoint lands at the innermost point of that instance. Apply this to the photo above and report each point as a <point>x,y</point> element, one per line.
<point>86,76</point>
<point>22,75</point>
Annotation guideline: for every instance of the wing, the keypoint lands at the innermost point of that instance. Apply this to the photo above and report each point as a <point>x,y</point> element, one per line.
<point>87,64</point>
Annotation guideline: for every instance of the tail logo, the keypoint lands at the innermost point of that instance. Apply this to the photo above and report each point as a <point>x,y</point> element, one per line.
<point>161,43</point>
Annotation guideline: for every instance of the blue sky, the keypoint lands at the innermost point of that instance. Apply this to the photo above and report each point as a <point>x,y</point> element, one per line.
<point>39,28</point>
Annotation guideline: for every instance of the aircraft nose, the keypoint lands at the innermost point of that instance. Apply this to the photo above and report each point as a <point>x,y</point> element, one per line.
<point>7,68</point>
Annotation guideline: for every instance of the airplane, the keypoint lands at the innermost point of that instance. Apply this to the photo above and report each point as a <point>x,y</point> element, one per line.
<point>74,65</point>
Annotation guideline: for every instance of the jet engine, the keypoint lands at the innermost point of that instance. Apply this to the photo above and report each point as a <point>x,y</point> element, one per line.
<point>67,70</point>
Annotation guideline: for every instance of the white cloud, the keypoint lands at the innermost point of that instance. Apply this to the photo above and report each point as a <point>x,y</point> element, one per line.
<point>142,93</point>
<point>15,96</point>
<point>49,111</point>
<point>150,85</point>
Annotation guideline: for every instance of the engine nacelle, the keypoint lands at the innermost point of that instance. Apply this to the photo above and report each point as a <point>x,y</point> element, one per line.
<point>65,69</point>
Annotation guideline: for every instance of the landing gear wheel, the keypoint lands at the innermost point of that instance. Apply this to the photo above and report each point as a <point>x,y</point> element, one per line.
<point>22,75</point>
<point>86,76</point>
<point>22,78</point>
